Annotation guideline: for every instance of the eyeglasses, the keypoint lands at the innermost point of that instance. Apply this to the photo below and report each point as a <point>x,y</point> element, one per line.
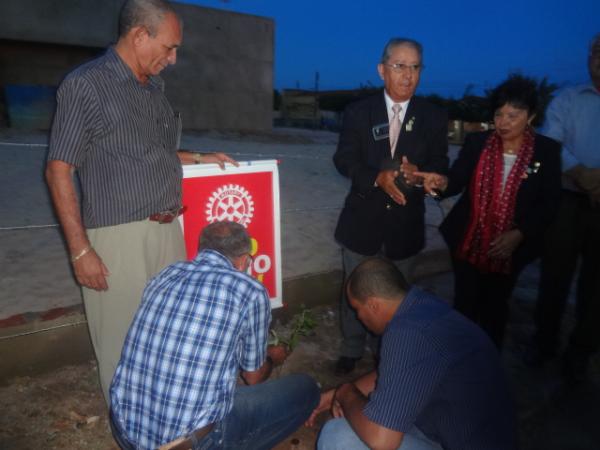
<point>401,68</point>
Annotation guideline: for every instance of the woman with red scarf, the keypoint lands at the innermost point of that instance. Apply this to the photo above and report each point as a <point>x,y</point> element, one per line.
<point>510,184</point>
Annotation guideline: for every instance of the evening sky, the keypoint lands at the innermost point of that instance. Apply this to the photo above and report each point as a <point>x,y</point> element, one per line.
<point>467,43</point>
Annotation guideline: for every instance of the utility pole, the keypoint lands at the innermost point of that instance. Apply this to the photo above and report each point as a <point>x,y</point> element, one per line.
<point>316,109</point>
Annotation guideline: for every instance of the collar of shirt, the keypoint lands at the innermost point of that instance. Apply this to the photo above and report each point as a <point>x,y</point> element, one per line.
<point>412,296</point>
<point>213,258</point>
<point>409,299</point>
<point>588,87</point>
<point>389,103</point>
<point>123,72</point>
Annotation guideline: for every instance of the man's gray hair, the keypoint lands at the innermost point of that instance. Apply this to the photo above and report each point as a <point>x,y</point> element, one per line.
<point>230,239</point>
<point>146,13</point>
<point>397,42</point>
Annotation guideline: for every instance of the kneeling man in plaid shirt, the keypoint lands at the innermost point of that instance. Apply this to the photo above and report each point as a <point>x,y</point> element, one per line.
<point>202,323</point>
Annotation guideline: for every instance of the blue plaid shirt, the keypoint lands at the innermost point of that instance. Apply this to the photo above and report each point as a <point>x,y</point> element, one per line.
<point>199,323</point>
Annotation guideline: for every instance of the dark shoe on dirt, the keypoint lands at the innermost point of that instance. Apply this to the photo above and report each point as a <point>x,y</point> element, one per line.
<point>533,356</point>
<point>575,367</point>
<point>345,365</point>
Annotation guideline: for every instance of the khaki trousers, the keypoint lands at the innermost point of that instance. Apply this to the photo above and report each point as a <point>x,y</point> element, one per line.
<point>133,253</point>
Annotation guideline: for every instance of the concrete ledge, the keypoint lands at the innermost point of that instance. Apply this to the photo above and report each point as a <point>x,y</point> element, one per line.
<point>325,287</point>
<point>311,290</point>
<point>30,349</point>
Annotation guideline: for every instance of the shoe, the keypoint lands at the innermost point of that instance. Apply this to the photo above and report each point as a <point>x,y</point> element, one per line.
<point>345,365</point>
<point>534,356</point>
<point>575,367</point>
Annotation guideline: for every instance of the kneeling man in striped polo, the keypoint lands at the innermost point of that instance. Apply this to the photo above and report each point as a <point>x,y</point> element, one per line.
<point>439,383</point>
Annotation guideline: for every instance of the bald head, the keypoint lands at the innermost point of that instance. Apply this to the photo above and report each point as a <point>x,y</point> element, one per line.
<point>377,277</point>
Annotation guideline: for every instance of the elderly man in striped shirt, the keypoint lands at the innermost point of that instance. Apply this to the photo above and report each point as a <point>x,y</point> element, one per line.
<point>439,383</point>
<point>114,127</point>
<point>200,324</point>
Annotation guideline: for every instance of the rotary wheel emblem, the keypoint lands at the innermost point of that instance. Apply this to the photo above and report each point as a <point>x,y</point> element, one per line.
<point>230,202</point>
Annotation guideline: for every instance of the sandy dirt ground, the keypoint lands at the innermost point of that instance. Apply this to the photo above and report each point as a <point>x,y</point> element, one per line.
<point>64,409</point>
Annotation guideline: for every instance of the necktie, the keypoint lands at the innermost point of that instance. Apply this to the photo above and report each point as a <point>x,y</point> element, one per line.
<point>395,127</point>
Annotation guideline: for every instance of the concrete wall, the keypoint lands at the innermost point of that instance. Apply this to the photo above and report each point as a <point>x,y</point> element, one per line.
<point>87,23</point>
<point>40,63</point>
<point>33,65</point>
<point>223,78</point>
<point>226,66</point>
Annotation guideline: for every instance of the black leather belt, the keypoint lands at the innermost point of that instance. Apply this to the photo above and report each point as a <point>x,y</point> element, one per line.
<point>188,442</point>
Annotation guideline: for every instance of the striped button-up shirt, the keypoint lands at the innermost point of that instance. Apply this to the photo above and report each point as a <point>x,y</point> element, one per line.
<point>122,137</point>
<point>440,372</point>
<point>199,323</point>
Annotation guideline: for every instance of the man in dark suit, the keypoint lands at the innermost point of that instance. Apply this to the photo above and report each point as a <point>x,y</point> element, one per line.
<point>384,139</point>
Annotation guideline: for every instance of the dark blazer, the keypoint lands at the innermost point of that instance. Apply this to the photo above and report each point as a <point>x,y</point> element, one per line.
<point>370,220</point>
<point>537,198</point>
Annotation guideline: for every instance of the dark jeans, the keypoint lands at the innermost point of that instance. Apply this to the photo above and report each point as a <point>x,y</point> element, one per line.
<point>262,415</point>
<point>574,235</point>
<point>483,297</point>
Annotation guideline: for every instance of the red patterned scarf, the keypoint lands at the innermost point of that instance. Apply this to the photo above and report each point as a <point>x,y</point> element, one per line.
<point>493,208</point>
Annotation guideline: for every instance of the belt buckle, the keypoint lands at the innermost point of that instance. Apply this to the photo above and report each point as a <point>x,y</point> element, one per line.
<point>168,215</point>
<point>165,217</point>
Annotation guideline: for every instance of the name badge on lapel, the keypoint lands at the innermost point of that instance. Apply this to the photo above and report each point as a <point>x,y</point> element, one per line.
<point>381,131</point>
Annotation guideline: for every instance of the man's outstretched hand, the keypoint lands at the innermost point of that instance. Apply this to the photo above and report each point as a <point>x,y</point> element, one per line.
<point>278,353</point>
<point>218,158</point>
<point>386,181</point>
<point>325,404</point>
<point>408,170</point>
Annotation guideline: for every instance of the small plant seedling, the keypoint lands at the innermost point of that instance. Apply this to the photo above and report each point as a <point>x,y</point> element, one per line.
<point>302,324</point>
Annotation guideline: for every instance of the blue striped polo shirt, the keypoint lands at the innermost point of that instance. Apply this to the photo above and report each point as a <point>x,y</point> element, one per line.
<point>440,372</point>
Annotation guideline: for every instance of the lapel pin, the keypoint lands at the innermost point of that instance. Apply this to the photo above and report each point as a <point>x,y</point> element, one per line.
<point>534,168</point>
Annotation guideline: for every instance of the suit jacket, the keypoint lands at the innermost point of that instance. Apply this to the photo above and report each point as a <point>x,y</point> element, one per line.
<point>370,220</point>
<point>536,203</point>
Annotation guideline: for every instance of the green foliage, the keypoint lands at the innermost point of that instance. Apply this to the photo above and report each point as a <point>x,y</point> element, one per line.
<point>545,94</point>
<point>469,108</point>
<point>302,324</point>
<point>474,108</point>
